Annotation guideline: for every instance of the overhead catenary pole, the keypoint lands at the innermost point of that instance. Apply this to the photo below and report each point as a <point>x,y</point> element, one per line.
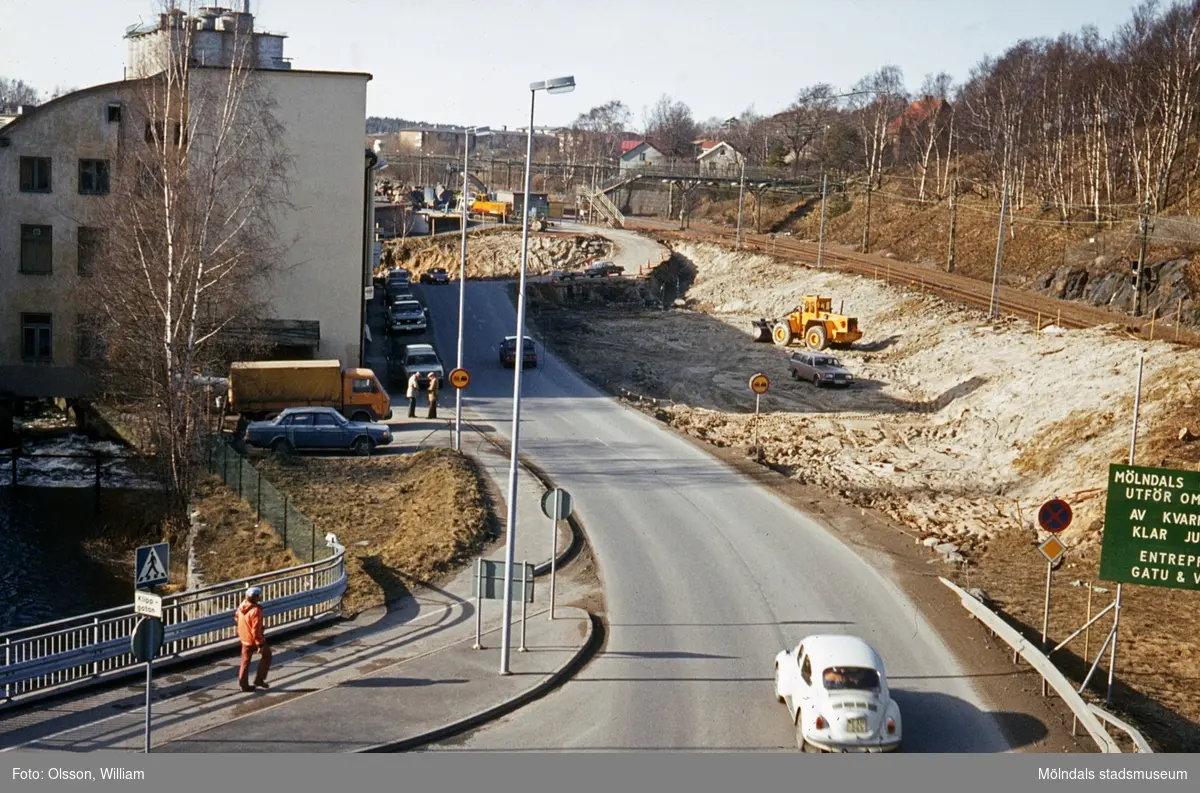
<point>1143,229</point>
<point>1112,659</point>
<point>953,225</point>
<point>821,238</point>
<point>994,303</point>
<point>741,202</point>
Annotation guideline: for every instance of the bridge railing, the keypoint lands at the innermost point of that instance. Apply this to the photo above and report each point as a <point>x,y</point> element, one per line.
<point>54,657</point>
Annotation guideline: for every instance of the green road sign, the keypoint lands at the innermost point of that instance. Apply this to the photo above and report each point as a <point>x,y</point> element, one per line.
<point>1152,527</point>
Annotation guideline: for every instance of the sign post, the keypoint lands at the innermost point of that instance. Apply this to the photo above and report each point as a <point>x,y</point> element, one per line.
<point>460,379</point>
<point>145,644</point>
<point>1054,516</point>
<point>556,505</point>
<point>759,384</point>
<point>151,565</point>
<point>489,584</point>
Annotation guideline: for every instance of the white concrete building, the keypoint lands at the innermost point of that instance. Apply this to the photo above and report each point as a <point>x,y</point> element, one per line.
<point>56,163</point>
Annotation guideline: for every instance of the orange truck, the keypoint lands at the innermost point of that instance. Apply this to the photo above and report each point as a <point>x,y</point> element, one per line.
<point>261,389</point>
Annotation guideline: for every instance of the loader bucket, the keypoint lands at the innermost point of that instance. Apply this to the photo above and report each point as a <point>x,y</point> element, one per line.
<point>761,332</point>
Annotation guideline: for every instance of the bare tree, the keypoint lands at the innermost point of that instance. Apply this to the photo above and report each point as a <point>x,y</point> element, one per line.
<point>194,204</point>
<point>877,101</point>
<point>671,126</point>
<point>805,120</point>
<point>17,92</point>
<point>926,128</point>
<point>1159,64</point>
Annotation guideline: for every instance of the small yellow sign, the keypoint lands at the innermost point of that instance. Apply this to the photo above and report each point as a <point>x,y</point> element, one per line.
<point>759,384</point>
<point>459,378</point>
<point>1052,549</point>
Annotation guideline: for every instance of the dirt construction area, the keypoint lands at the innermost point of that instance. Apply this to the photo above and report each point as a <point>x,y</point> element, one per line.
<point>495,253</point>
<point>956,428</point>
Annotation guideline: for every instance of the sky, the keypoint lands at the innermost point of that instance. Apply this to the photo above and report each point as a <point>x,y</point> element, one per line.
<point>471,61</point>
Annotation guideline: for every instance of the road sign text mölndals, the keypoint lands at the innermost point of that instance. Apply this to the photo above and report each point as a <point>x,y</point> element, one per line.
<point>1152,527</point>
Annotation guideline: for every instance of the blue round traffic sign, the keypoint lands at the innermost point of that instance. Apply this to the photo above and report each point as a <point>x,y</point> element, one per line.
<point>1055,515</point>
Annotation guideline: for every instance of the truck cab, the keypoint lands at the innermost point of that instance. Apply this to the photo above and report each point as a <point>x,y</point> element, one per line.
<point>363,397</point>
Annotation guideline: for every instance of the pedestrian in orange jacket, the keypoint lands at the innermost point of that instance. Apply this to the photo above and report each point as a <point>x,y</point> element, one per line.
<point>249,620</point>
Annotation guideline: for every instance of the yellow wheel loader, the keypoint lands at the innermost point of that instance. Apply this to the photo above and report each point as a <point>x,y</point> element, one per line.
<point>814,322</point>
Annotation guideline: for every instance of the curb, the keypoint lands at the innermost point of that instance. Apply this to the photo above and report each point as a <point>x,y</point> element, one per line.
<point>595,639</point>
<point>576,544</point>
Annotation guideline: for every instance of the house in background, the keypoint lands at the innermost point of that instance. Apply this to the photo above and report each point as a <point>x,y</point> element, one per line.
<point>55,178</point>
<point>640,155</point>
<point>719,159</point>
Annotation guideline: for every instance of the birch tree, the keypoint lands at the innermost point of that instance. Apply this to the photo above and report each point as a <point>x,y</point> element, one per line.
<point>877,100</point>
<point>200,177</point>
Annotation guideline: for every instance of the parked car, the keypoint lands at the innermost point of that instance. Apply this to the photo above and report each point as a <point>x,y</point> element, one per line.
<point>836,691</point>
<point>316,428</point>
<point>398,281</point>
<point>818,368</point>
<point>562,277</point>
<point>437,275</point>
<point>422,359</point>
<point>603,270</point>
<point>407,316</point>
<point>508,352</point>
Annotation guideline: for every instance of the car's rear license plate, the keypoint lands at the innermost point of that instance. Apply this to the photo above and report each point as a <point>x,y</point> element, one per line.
<point>858,725</point>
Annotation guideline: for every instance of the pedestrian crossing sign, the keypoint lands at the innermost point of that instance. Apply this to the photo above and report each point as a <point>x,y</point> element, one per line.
<point>150,565</point>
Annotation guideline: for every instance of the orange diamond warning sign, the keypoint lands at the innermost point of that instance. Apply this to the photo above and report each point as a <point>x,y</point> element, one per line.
<point>1052,549</point>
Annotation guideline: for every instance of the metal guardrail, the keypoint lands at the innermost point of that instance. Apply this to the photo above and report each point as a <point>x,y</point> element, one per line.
<point>1089,715</point>
<point>54,657</point>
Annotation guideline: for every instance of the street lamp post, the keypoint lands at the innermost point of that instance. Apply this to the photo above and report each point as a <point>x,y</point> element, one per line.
<point>559,85</point>
<point>462,282</point>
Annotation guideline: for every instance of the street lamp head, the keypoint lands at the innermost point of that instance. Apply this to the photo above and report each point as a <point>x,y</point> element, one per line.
<point>481,132</point>
<point>557,85</point>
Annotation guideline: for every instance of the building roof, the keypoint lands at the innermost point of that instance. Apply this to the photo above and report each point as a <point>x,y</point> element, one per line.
<point>641,146</point>
<point>94,89</point>
<point>629,145</point>
<point>719,146</point>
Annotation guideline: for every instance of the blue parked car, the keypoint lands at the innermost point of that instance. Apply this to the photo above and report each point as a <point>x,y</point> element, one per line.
<point>316,428</point>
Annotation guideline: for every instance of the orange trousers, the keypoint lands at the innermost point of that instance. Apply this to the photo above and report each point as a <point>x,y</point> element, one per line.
<point>264,664</point>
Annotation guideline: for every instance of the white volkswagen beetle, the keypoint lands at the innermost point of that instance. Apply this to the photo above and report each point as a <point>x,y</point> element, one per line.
<point>835,688</point>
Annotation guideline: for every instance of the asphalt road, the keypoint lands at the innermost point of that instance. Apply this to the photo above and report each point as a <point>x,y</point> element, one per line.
<point>706,577</point>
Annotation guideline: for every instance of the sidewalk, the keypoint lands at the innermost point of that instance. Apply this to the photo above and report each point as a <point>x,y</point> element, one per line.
<point>391,675</point>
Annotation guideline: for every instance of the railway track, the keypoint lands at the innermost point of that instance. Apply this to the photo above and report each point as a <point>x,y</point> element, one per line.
<point>1041,310</point>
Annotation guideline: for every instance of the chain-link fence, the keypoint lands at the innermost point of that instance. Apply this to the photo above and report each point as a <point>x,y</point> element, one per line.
<point>297,531</point>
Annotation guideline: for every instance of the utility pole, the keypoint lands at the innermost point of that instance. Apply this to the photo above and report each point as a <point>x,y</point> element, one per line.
<point>1144,228</point>
<point>953,224</point>
<point>994,304</point>
<point>741,202</point>
<point>821,239</point>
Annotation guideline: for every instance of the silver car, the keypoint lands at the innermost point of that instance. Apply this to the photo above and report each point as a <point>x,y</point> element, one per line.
<point>407,316</point>
<point>819,369</point>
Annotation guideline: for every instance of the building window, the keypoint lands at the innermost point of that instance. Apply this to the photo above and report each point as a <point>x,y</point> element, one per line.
<point>156,132</point>
<point>35,174</point>
<point>37,249</point>
<point>35,338</point>
<point>89,242</point>
<point>93,177</point>
<point>113,113</point>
